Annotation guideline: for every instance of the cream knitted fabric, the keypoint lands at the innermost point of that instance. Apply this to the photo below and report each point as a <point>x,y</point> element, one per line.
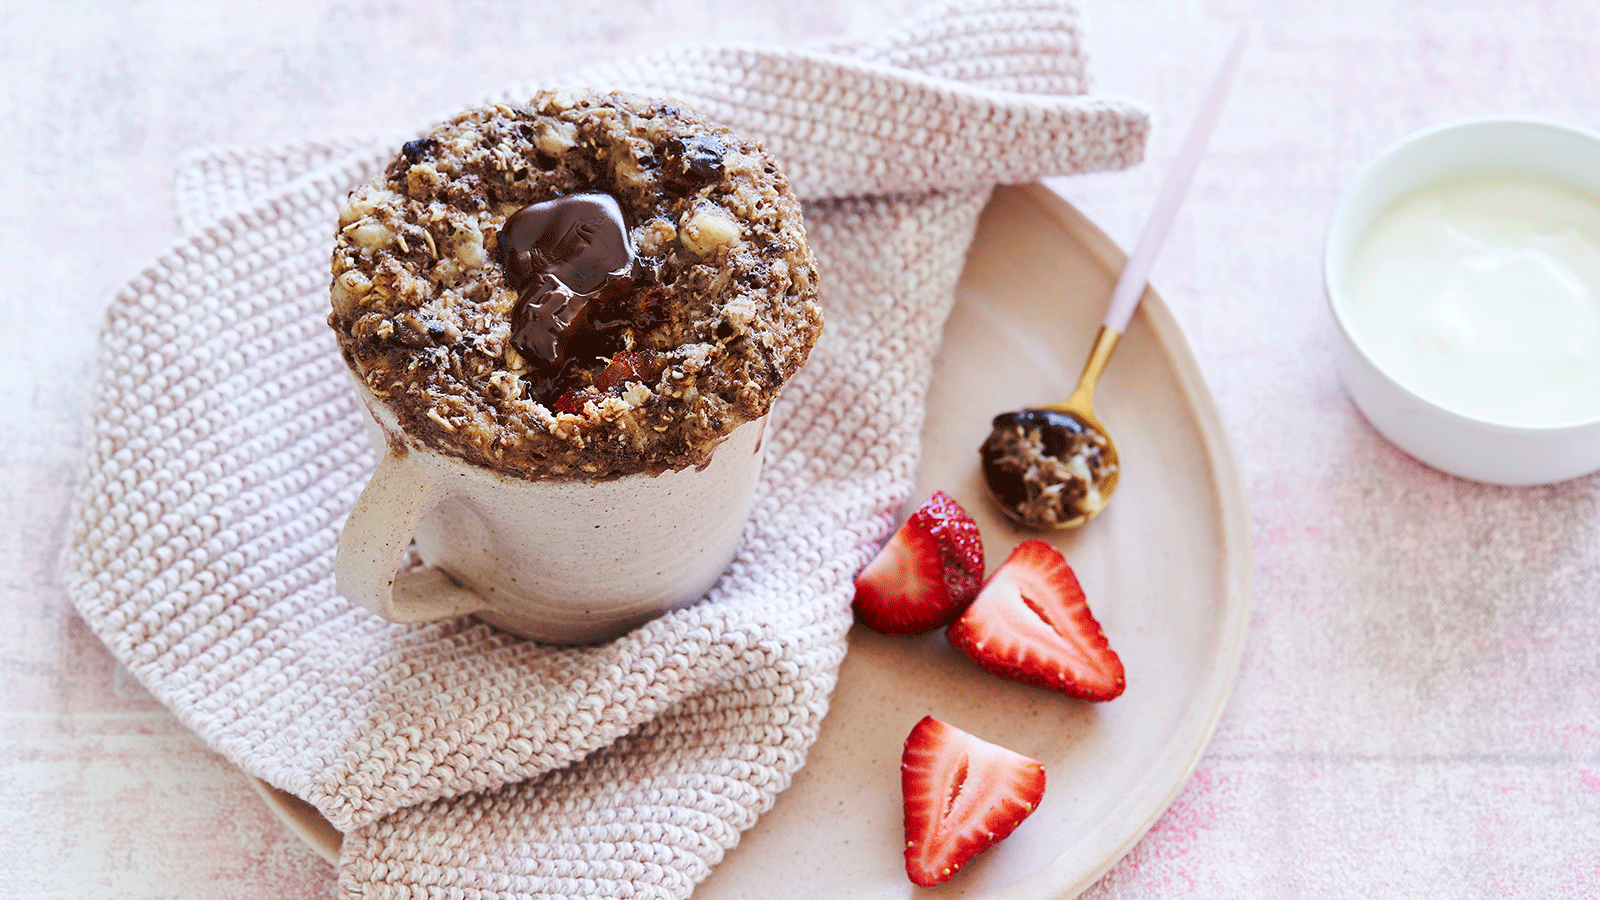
<point>458,761</point>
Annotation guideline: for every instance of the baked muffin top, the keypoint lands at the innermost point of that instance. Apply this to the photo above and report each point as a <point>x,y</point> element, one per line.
<point>583,286</point>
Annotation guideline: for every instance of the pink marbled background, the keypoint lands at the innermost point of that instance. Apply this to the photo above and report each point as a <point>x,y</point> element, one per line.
<point>1418,711</point>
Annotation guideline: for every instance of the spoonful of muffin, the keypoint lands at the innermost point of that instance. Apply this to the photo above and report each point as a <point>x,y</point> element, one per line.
<point>1056,466</point>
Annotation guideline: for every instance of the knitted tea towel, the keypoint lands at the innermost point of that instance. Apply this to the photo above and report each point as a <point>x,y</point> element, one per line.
<point>459,761</point>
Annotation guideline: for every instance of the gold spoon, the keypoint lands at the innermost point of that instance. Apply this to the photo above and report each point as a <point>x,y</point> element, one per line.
<point>1056,466</point>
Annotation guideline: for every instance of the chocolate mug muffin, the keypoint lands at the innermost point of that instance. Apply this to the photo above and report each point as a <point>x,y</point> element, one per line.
<point>583,286</point>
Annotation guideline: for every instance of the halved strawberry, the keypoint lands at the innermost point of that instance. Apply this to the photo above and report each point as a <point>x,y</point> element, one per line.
<point>962,796</point>
<point>1031,623</point>
<point>926,574</point>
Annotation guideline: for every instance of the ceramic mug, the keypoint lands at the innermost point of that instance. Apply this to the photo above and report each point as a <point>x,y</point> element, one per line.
<point>558,561</point>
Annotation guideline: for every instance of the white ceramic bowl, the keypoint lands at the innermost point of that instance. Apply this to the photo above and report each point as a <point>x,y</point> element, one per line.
<point>1474,448</point>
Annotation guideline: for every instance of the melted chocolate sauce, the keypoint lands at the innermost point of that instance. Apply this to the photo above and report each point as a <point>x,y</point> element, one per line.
<point>1061,435</point>
<point>566,258</point>
<point>1058,431</point>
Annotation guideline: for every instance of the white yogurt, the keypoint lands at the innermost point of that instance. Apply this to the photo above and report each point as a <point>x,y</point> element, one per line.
<point>1481,293</point>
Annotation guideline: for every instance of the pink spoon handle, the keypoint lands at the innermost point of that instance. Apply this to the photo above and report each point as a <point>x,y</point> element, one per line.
<point>1130,286</point>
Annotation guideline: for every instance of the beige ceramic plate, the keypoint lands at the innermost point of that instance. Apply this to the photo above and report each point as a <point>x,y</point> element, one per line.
<point>1166,569</point>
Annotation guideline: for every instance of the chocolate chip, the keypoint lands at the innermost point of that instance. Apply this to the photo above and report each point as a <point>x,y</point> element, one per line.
<point>693,163</point>
<point>417,149</point>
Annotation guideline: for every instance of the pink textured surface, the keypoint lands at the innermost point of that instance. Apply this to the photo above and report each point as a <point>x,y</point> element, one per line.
<point>1417,710</point>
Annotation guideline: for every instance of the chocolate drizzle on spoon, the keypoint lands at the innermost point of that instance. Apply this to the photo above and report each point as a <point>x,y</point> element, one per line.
<point>566,258</point>
<point>1049,468</point>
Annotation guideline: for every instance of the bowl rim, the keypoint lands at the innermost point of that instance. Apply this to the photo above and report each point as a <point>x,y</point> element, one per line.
<point>1342,212</point>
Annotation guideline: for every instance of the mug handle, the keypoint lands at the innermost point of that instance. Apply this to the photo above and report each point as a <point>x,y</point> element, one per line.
<point>402,490</point>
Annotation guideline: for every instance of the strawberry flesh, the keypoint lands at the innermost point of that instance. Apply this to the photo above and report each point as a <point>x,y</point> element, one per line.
<point>1031,623</point>
<point>573,401</point>
<point>628,366</point>
<point>926,574</point>
<point>625,367</point>
<point>962,796</point>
